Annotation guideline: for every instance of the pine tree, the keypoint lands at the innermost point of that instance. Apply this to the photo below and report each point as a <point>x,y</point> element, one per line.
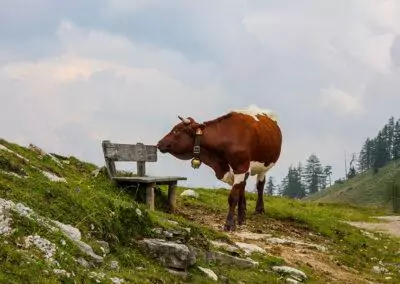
<point>328,173</point>
<point>390,136</point>
<point>366,155</point>
<point>270,186</point>
<point>313,174</point>
<point>396,141</point>
<point>381,154</point>
<point>292,185</point>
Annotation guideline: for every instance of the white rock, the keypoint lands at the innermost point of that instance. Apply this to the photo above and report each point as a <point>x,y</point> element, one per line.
<point>291,281</point>
<point>295,242</point>
<point>47,247</point>
<point>225,246</point>
<point>12,174</point>
<point>68,230</point>
<point>114,265</point>
<point>290,270</point>
<point>138,212</point>
<point>4,148</point>
<point>190,193</point>
<point>62,272</point>
<point>5,220</point>
<point>211,274</point>
<point>250,248</point>
<point>251,236</point>
<point>379,270</point>
<point>53,177</point>
<point>116,280</point>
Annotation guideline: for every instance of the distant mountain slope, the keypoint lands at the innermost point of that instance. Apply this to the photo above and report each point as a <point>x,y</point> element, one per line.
<point>366,189</point>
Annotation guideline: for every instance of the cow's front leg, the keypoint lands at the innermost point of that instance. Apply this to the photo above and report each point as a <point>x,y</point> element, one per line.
<point>242,207</point>
<point>234,197</point>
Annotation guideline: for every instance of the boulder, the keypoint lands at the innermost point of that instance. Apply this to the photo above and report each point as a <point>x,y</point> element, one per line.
<point>169,254</point>
<point>190,193</point>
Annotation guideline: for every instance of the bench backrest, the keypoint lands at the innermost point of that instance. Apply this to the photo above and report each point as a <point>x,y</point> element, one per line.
<point>140,153</point>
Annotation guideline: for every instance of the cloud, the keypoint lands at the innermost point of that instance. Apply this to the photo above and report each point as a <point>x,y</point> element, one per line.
<point>123,70</point>
<point>344,103</point>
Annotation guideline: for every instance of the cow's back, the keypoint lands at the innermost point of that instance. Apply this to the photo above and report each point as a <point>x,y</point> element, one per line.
<point>260,134</point>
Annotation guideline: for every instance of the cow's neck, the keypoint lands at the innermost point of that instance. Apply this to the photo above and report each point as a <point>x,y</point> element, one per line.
<point>214,161</point>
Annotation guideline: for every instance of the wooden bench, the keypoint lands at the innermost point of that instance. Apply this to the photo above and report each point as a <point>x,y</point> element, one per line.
<point>140,154</point>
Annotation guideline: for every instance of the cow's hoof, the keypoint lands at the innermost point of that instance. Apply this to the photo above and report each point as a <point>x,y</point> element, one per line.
<point>229,226</point>
<point>241,221</point>
<point>260,211</point>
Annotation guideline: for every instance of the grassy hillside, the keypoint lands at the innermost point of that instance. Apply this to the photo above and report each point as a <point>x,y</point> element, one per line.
<point>366,189</point>
<point>63,221</point>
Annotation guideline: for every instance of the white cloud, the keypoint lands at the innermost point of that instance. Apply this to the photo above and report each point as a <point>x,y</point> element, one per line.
<point>343,102</point>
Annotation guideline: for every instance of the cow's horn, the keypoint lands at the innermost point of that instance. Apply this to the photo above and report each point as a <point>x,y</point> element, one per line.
<point>185,120</point>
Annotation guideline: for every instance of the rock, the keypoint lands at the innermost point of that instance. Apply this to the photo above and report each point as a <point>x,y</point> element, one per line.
<point>5,220</point>
<point>250,248</point>
<point>83,262</point>
<point>116,280</point>
<point>169,254</point>
<point>379,270</point>
<point>284,241</point>
<point>68,230</point>
<point>190,193</point>
<point>291,281</point>
<point>211,274</point>
<point>4,148</point>
<point>47,247</point>
<point>225,246</point>
<point>53,177</point>
<point>96,172</point>
<point>138,212</point>
<point>104,246</point>
<point>114,265</point>
<point>173,222</point>
<point>62,272</point>
<point>227,259</point>
<point>290,270</point>
<point>251,236</point>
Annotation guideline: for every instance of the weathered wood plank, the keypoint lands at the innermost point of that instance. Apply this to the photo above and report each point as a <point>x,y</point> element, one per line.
<point>141,169</point>
<point>130,152</point>
<point>150,196</point>
<point>172,196</point>
<point>156,179</point>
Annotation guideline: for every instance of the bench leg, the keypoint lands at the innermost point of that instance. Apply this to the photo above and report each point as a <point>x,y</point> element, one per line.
<point>150,196</point>
<point>172,196</point>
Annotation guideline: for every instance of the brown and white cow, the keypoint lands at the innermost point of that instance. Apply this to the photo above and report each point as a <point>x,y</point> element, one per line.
<point>235,145</point>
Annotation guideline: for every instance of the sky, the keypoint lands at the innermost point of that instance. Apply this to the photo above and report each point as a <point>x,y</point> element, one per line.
<point>74,73</point>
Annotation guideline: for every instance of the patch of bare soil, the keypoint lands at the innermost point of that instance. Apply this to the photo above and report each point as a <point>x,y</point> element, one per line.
<point>391,225</point>
<point>298,247</point>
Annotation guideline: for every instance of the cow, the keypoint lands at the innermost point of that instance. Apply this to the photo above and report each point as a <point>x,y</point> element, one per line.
<point>236,145</point>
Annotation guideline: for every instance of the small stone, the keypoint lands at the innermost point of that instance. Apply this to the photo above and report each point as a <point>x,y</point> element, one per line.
<point>190,193</point>
<point>116,280</point>
<point>173,222</point>
<point>211,274</point>
<point>227,259</point>
<point>169,254</point>
<point>62,272</point>
<point>291,281</point>
<point>114,265</point>
<point>290,270</point>
<point>182,274</point>
<point>83,262</point>
<point>225,246</point>
<point>379,270</point>
<point>250,248</point>
<point>138,212</point>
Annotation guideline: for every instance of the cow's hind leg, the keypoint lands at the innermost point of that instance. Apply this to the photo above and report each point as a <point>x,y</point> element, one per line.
<point>260,191</point>
<point>242,207</point>
<point>233,199</point>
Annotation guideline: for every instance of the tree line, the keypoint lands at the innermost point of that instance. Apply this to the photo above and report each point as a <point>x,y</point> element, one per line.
<point>378,151</point>
<point>375,153</point>
<point>301,181</point>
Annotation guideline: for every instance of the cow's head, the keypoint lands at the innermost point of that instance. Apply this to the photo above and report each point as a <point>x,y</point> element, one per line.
<point>179,141</point>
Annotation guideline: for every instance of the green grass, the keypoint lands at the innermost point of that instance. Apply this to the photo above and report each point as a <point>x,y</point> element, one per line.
<point>366,189</point>
<point>102,211</point>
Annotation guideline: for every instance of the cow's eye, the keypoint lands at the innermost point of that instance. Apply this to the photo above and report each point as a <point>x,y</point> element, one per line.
<point>175,132</point>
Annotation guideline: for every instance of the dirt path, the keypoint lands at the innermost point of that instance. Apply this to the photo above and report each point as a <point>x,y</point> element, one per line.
<point>296,247</point>
<point>390,225</point>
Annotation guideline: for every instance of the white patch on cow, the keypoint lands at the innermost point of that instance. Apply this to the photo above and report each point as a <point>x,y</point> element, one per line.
<point>228,178</point>
<point>253,111</point>
<point>259,169</point>
<point>238,178</point>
